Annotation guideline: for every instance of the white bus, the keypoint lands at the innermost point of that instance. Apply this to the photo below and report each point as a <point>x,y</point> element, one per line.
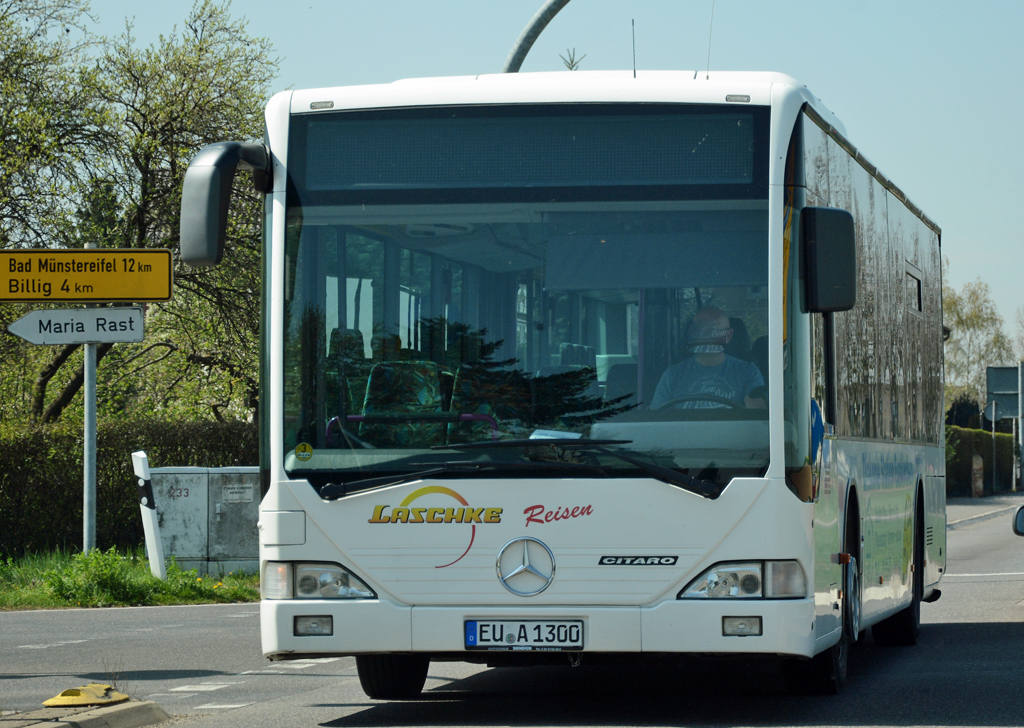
<point>574,367</point>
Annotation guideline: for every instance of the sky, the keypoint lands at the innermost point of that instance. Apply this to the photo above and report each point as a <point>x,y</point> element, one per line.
<point>929,91</point>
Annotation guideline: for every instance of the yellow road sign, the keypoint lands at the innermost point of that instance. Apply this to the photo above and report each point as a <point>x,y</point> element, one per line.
<point>108,274</point>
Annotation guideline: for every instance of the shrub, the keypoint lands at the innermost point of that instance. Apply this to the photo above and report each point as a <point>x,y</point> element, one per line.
<point>41,476</point>
<point>107,578</point>
<point>962,444</point>
<point>101,579</point>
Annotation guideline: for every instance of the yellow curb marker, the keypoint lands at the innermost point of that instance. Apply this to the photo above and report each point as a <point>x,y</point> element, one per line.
<point>91,694</point>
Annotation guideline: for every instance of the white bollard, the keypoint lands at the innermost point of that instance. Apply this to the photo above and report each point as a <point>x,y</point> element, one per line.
<point>150,522</point>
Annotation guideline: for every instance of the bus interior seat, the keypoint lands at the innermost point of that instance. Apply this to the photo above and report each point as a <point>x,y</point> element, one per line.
<point>385,347</point>
<point>591,357</point>
<point>552,384</point>
<point>739,347</point>
<point>482,391</point>
<point>347,370</point>
<point>400,388</point>
<point>759,355</point>
<point>347,344</point>
<point>621,381</point>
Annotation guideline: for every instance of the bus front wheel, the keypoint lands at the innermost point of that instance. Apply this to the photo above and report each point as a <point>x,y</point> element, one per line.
<point>902,628</point>
<point>392,677</point>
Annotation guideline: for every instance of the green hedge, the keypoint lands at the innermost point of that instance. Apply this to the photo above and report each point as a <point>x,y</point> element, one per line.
<point>961,445</point>
<point>41,476</point>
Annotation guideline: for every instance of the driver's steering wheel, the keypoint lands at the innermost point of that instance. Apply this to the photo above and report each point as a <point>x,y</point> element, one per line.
<point>700,398</point>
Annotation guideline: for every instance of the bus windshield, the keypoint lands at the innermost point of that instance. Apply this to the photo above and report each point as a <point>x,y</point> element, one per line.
<point>641,322</point>
<point>476,275</point>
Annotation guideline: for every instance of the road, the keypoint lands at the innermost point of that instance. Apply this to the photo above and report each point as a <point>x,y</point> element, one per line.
<point>203,664</point>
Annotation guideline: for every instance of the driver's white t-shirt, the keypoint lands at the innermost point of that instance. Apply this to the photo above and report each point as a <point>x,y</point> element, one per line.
<point>733,379</point>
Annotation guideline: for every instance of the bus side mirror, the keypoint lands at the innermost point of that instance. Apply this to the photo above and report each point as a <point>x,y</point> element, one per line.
<point>207,191</point>
<point>1018,521</point>
<point>830,259</point>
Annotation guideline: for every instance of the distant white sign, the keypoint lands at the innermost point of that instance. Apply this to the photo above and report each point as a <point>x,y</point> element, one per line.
<point>80,326</point>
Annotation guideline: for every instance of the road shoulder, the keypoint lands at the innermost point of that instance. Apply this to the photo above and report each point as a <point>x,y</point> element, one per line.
<point>130,714</point>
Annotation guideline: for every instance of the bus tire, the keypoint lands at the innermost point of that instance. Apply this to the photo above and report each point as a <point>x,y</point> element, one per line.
<point>903,628</point>
<point>825,673</point>
<point>392,677</point>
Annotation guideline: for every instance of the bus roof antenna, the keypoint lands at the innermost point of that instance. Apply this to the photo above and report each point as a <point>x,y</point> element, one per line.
<point>632,24</point>
<point>530,33</point>
<point>707,73</point>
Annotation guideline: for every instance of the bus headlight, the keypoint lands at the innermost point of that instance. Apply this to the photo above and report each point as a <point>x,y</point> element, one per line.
<point>282,580</point>
<point>749,580</point>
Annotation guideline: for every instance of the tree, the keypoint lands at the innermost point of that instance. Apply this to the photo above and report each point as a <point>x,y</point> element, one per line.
<point>963,411</point>
<point>51,118</point>
<point>208,84</point>
<point>976,341</point>
<point>149,111</point>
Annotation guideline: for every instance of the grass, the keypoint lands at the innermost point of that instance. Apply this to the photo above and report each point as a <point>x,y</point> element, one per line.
<point>111,579</point>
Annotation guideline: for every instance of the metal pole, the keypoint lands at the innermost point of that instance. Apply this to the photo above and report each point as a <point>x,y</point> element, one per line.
<point>530,33</point>
<point>1013,460</point>
<point>995,473</point>
<point>89,449</point>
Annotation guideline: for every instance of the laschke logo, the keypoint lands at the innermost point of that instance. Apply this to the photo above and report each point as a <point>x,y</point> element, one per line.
<point>404,513</point>
<point>638,560</point>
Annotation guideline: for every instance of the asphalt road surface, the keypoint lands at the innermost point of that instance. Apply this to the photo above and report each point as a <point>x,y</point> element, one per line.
<point>203,665</point>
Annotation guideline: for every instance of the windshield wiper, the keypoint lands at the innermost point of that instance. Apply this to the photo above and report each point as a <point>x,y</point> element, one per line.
<point>333,491</point>
<point>574,442</point>
<point>698,486</point>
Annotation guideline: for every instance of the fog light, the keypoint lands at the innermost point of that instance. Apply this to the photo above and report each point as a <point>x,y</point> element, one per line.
<point>314,626</point>
<point>741,626</point>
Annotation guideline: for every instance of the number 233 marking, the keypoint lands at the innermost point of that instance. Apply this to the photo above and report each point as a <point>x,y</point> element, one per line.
<point>179,492</point>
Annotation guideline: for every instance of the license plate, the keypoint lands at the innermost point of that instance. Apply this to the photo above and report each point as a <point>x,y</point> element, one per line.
<point>526,635</point>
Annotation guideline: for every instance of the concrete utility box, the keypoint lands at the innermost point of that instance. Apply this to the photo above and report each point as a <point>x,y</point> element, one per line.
<point>208,517</point>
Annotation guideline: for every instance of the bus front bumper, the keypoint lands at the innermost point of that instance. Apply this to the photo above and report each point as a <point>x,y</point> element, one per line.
<point>679,626</point>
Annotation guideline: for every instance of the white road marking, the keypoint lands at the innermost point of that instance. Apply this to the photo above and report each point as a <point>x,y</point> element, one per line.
<point>303,664</point>
<point>204,688</point>
<point>219,706</point>
<point>51,644</point>
<point>1007,573</point>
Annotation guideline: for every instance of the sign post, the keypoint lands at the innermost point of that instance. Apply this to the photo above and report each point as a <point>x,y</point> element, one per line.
<point>84,276</point>
<point>994,412</point>
<point>1003,385</point>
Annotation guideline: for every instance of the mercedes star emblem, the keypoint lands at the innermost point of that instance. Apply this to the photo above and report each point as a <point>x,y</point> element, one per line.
<point>525,566</point>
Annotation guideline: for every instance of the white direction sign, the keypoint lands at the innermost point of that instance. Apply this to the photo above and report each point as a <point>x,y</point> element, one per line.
<point>80,326</point>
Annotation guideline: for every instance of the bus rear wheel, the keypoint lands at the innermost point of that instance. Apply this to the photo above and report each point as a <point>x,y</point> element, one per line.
<point>392,677</point>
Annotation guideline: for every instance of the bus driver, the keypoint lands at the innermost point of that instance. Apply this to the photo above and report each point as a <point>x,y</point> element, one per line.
<point>724,379</point>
